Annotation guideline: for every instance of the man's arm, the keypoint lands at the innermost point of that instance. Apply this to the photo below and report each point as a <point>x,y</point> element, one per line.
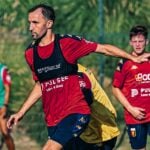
<point>30,101</point>
<point>7,86</point>
<point>6,100</point>
<point>117,52</point>
<point>7,94</point>
<point>136,112</point>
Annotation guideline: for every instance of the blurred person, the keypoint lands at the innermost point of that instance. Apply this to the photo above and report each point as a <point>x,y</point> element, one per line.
<point>5,87</point>
<point>131,86</point>
<point>102,130</point>
<point>52,59</point>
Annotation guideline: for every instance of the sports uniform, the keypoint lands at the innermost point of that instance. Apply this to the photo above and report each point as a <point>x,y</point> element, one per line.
<point>134,81</point>
<point>57,73</point>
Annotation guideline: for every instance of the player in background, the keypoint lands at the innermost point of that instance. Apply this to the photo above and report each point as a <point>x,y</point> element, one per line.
<point>131,87</point>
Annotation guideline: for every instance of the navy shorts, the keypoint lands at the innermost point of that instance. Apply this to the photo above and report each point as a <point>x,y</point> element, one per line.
<point>138,135</point>
<point>70,127</point>
<point>79,144</point>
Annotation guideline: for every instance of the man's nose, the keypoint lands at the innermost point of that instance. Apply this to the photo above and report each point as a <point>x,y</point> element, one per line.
<point>31,27</point>
<point>137,43</point>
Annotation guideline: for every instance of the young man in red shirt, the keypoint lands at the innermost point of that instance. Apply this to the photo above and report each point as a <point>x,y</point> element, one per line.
<point>53,61</point>
<point>131,86</point>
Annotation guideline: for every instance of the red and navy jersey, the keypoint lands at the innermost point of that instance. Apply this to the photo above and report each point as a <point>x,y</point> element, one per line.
<point>62,96</point>
<point>134,81</point>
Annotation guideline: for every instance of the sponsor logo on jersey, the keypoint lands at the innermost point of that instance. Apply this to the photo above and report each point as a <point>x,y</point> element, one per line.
<point>48,68</point>
<point>143,92</point>
<point>142,77</point>
<point>82,84</point>
<point>134,92</point>
<point>53,84</point>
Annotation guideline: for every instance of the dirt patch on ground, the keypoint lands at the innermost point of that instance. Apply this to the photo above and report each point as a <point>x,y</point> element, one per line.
<point>22,141</point>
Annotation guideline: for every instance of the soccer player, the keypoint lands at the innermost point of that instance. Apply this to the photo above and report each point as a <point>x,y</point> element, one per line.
<point>131,86</point>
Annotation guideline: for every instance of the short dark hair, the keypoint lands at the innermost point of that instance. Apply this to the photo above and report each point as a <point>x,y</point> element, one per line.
<point>139,29</point>
<point>47,11</point>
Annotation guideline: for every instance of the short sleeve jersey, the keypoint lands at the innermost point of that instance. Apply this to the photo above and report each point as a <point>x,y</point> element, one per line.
<point>62,96</point>
<point>133,80</point>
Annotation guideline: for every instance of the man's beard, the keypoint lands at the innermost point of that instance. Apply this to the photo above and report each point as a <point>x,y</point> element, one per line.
<point>37,39</point>
<point>35,36</point>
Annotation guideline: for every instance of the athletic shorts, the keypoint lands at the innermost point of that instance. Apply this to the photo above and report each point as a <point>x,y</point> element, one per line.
<point>79,144</point>
<point>70,127</point>
<point>138,135</point>
<point>109,144</point>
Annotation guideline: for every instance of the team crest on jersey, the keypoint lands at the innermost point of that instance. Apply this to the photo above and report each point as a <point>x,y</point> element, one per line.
<point>133,132</point>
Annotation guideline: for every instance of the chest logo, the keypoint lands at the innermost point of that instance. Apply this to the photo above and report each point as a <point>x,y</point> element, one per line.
<point>134,67</point>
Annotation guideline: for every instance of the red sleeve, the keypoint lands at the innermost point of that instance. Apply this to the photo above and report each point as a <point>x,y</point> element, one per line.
<point>29,60</point>
<point>118,79</point>
<point>119,75</point>
<point>74,49</point>
<point>6,77</point>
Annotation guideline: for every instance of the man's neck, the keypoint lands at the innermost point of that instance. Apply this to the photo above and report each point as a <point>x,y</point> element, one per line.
<point>135,54</point>
<point>47,39</point>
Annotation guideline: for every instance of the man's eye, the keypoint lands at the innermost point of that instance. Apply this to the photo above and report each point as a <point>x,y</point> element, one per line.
<point>35,22</point>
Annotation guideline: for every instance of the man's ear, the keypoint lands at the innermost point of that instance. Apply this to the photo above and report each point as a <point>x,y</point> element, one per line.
<point>130,43</point>
<point>147,42</point>
<point>49,24</point>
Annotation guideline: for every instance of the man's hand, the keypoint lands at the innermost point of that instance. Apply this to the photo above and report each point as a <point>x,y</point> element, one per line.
<point>138,113</point>
<point>142,58</point>
<point>14,119</point>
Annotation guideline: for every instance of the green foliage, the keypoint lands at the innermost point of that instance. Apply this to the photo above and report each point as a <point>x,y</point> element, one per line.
<point>120,16</point>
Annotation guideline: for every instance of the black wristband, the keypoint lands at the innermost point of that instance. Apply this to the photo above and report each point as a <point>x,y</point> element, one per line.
<point>6,105</point>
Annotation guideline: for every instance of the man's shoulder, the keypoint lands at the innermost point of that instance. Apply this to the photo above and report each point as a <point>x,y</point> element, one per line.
<point>30,46</point>
<point>69,36</point>
<point>122,62</point>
